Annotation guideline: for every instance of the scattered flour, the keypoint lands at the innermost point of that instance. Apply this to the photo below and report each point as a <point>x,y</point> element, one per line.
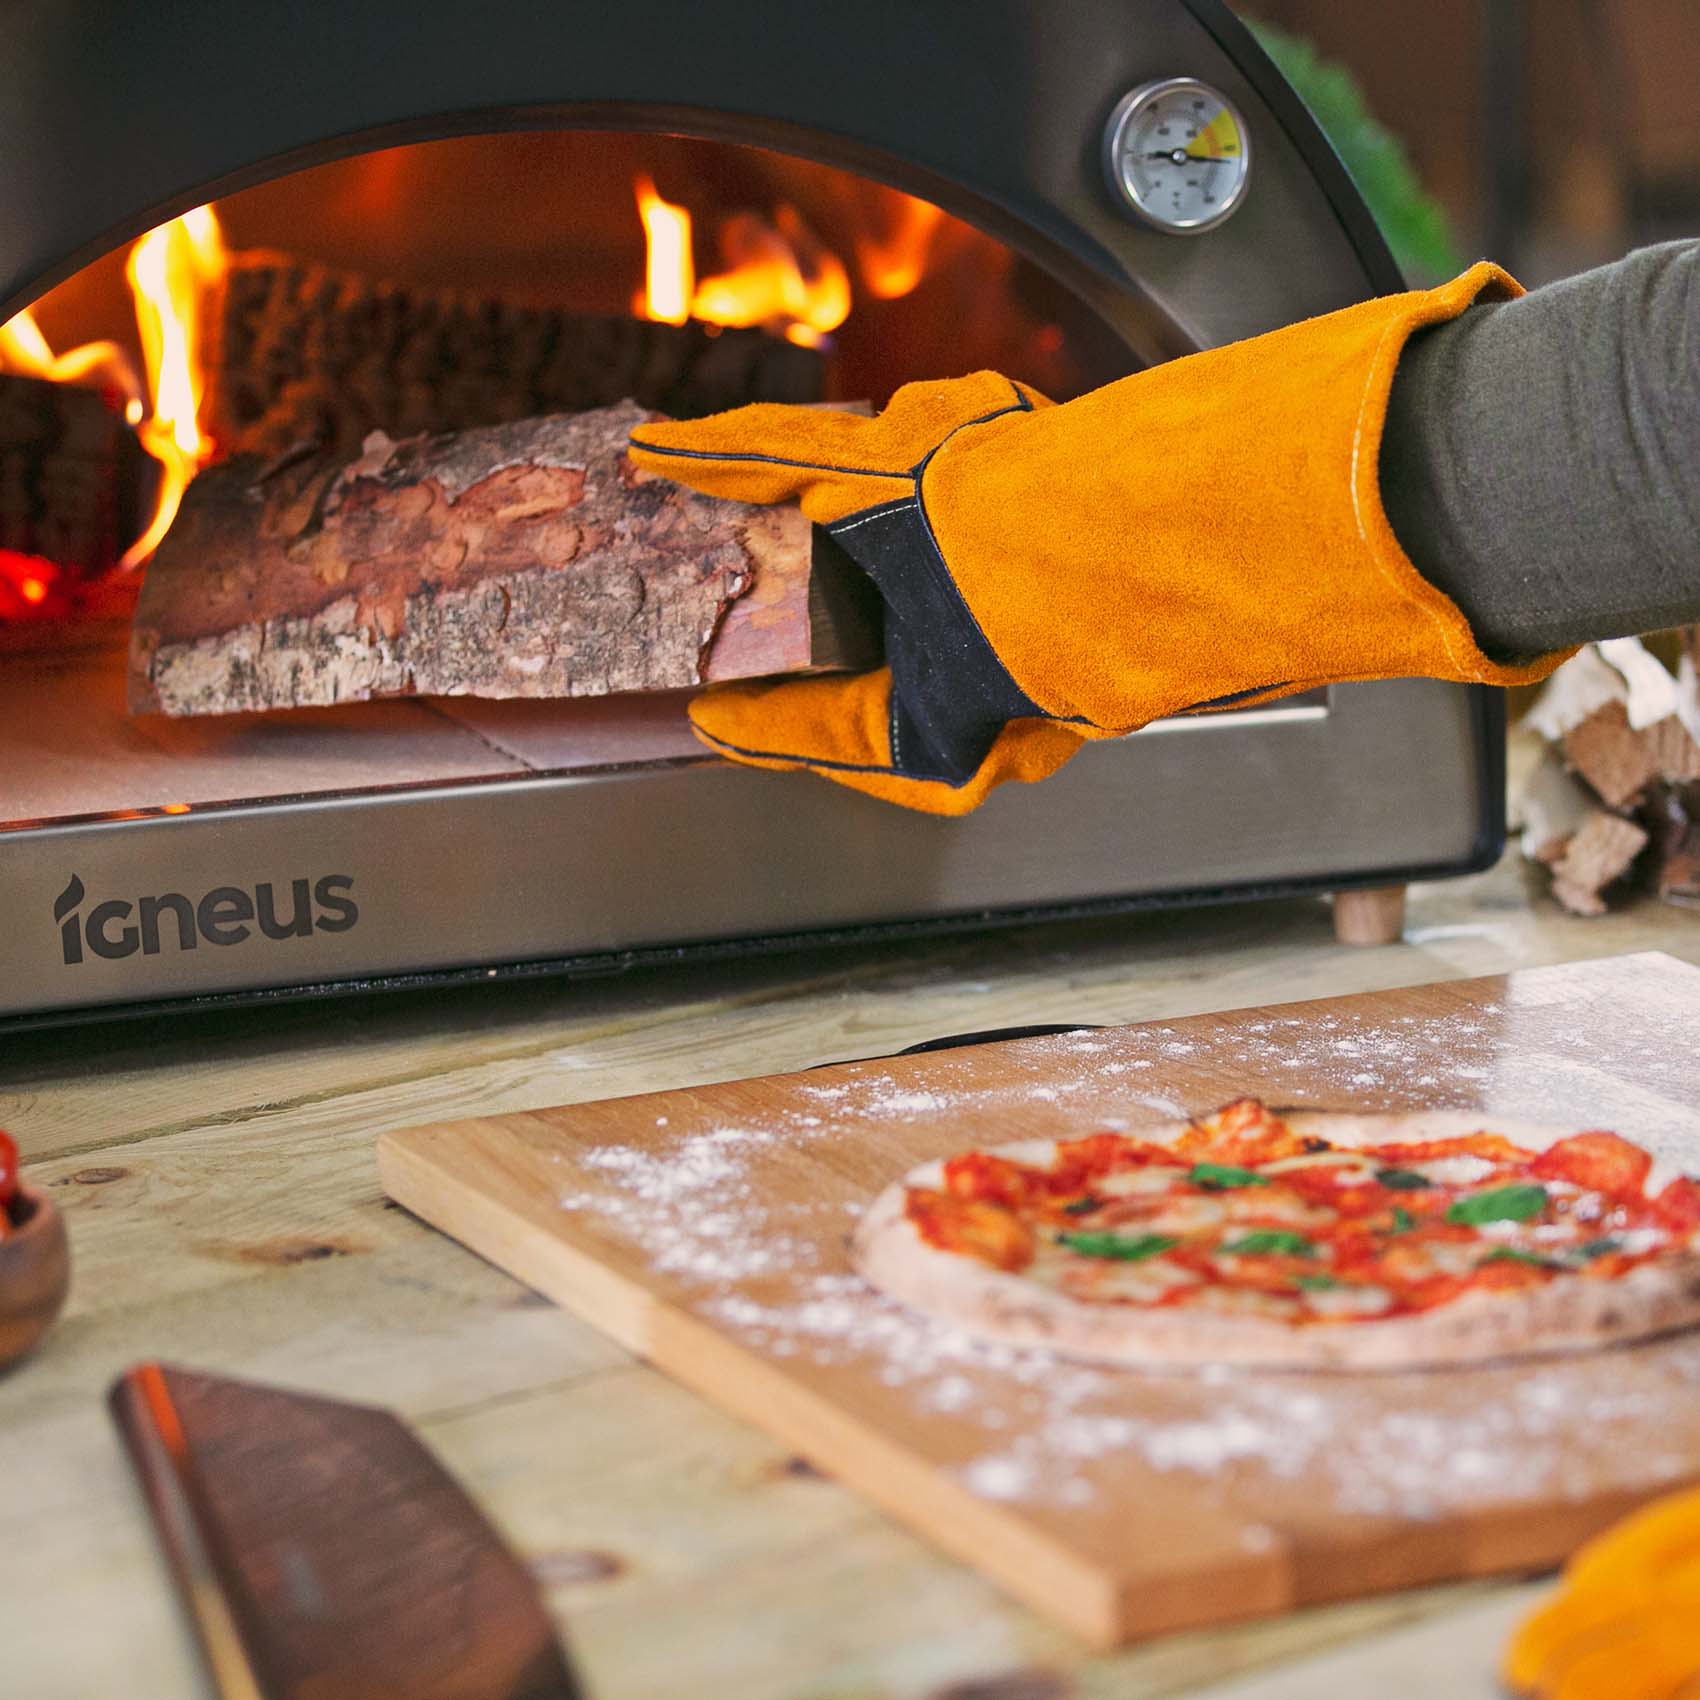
<point>770,1272</point>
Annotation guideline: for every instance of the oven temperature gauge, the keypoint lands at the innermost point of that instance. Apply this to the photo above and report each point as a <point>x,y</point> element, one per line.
<point>1177,152</point>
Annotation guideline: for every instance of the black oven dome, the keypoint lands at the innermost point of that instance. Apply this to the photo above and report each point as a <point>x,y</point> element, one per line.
<point>115,117</point>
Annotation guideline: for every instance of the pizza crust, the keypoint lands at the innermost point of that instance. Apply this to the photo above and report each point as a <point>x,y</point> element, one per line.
<point>1570,1313</point>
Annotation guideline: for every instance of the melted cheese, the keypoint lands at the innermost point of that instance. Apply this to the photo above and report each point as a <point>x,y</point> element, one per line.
<point>1348,1301</point>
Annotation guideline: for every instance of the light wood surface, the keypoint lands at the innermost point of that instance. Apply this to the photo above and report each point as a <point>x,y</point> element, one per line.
<point>706,1229</point>
<point>218,1179</point>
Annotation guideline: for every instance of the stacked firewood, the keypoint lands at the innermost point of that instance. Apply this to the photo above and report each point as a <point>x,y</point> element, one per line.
<point>302,351</point>
<point>70,471</point>
<point>1613,806</point>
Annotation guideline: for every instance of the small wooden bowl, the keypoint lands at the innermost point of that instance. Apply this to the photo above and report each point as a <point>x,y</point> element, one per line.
<point>35,1273</point>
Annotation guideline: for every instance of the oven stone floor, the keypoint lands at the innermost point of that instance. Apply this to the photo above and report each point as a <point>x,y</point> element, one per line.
<point>225,1213</point>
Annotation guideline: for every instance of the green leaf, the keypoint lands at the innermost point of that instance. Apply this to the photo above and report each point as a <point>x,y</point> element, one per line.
<point>1131,1249</point>
<point>1402,1180</point>
<point>1219,1176</point>
<point>1266,1240</point>
<point>1403,1220</point>
<point>1510,1254</point>
<point>1316,1283</point>
<point>1597,1248</point>
<point>1503,1204</point>
<point>1082,1206</point>
<point>1414,223</point>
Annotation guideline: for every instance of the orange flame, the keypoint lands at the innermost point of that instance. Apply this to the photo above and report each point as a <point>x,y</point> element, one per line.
<point>670,271</point>
<point>891,266</point>
<point>169,271</point>
<point>781,275</point>
<point>24,349</point>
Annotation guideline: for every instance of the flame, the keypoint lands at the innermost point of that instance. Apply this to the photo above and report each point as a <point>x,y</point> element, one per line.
<point>170,270</point>
<point>24,349</point>
<point>781,275</point>
<point>891,266</point>
<point>669,278</point>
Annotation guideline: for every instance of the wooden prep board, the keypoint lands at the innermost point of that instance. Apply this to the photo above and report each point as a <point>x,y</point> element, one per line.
<point>705,1229</point>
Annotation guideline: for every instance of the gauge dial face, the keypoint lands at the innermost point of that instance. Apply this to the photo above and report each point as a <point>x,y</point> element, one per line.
<point>1177,152</point>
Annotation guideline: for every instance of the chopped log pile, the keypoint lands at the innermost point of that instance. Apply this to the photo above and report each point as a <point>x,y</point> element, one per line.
<point>522,560</point>
<point>1614,804</point>
<point>70,471</point>
<point>301,351</point>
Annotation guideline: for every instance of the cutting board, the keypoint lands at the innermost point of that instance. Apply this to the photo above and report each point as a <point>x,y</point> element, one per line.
<point>705,1230</point>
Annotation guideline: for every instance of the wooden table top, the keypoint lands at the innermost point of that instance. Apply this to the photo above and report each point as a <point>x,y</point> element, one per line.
<point>218,1178</point>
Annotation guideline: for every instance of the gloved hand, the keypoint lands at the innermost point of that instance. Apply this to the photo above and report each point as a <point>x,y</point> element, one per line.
<point>1625,1624</point>
<point>1202,535</point>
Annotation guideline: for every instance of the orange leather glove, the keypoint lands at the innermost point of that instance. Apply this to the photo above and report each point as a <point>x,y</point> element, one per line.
<point>1201,535</point>
<point>1625,1624</point>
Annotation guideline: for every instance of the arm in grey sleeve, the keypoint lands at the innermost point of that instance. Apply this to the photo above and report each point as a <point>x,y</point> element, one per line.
<point>1541,457</point>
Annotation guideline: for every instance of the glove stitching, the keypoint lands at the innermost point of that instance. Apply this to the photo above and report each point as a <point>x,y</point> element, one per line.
<point>868,515</point>
<point>766,460</point>
<point>836,766</point>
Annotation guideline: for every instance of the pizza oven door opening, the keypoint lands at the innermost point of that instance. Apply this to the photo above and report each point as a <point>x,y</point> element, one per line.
<point>436,287</point>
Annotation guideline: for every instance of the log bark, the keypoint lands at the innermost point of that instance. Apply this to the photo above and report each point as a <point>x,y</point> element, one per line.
<point>70,470</point>
<point>525,560</point>
<point>301,351</point>
<point>1598,856</point>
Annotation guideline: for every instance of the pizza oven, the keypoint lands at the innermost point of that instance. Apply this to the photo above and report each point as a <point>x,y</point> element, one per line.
<point>934,189</point>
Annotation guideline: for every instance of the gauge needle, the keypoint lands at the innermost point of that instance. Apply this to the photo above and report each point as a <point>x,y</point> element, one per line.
<point>1179,156</point>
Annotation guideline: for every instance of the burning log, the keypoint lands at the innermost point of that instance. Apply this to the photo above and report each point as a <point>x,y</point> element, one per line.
<point>524,560</point>
<point>70,469</point>
<point>1615,801</point>
<point>300,351</point>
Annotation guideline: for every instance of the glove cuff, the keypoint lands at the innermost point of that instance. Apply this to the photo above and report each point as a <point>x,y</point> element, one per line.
<point>1209,530</point>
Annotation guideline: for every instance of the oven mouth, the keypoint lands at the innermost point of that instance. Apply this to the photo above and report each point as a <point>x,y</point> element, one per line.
<point>549,228</point>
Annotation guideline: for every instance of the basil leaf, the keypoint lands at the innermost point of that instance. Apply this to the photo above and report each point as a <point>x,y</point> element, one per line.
<point>1221,1175</point>
<point>1132,1249</point>
<point>1082,1206</point>
<point>1597,1248</point>
<point>1266,1240</point>
<point>1316,1283</point>
<point>1403,1220</point>
<point>1503,1204</point>
<point>1402,1180</point>
<point>1510,1254</point>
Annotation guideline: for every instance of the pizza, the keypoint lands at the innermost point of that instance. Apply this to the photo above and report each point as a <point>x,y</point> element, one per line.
<point>1297,1239</point>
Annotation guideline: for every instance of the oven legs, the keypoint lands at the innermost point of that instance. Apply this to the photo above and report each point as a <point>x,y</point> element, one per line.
<point>1376,916</point>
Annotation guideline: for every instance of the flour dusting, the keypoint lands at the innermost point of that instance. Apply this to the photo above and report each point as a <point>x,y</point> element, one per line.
<point>715,1209</point>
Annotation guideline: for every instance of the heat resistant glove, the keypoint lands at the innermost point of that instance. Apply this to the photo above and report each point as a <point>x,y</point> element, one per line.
<point>1625,1624</point>
<point>1202,535</point>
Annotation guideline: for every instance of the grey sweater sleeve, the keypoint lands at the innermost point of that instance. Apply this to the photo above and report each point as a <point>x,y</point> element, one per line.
<point>1541,457</point>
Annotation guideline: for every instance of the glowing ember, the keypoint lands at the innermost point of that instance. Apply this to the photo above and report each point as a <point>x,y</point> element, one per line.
<point>170,271</point>
<point>780,276</point>
<point>25,583</point>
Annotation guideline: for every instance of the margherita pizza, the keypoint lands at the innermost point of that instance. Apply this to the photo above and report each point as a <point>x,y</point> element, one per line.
<point>1297,1239</point>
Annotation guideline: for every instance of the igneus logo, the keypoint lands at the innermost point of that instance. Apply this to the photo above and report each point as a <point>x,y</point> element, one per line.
<point>226,915</point>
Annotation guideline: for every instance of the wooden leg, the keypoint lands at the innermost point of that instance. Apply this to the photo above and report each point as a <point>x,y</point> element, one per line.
<point>1376,916</point>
